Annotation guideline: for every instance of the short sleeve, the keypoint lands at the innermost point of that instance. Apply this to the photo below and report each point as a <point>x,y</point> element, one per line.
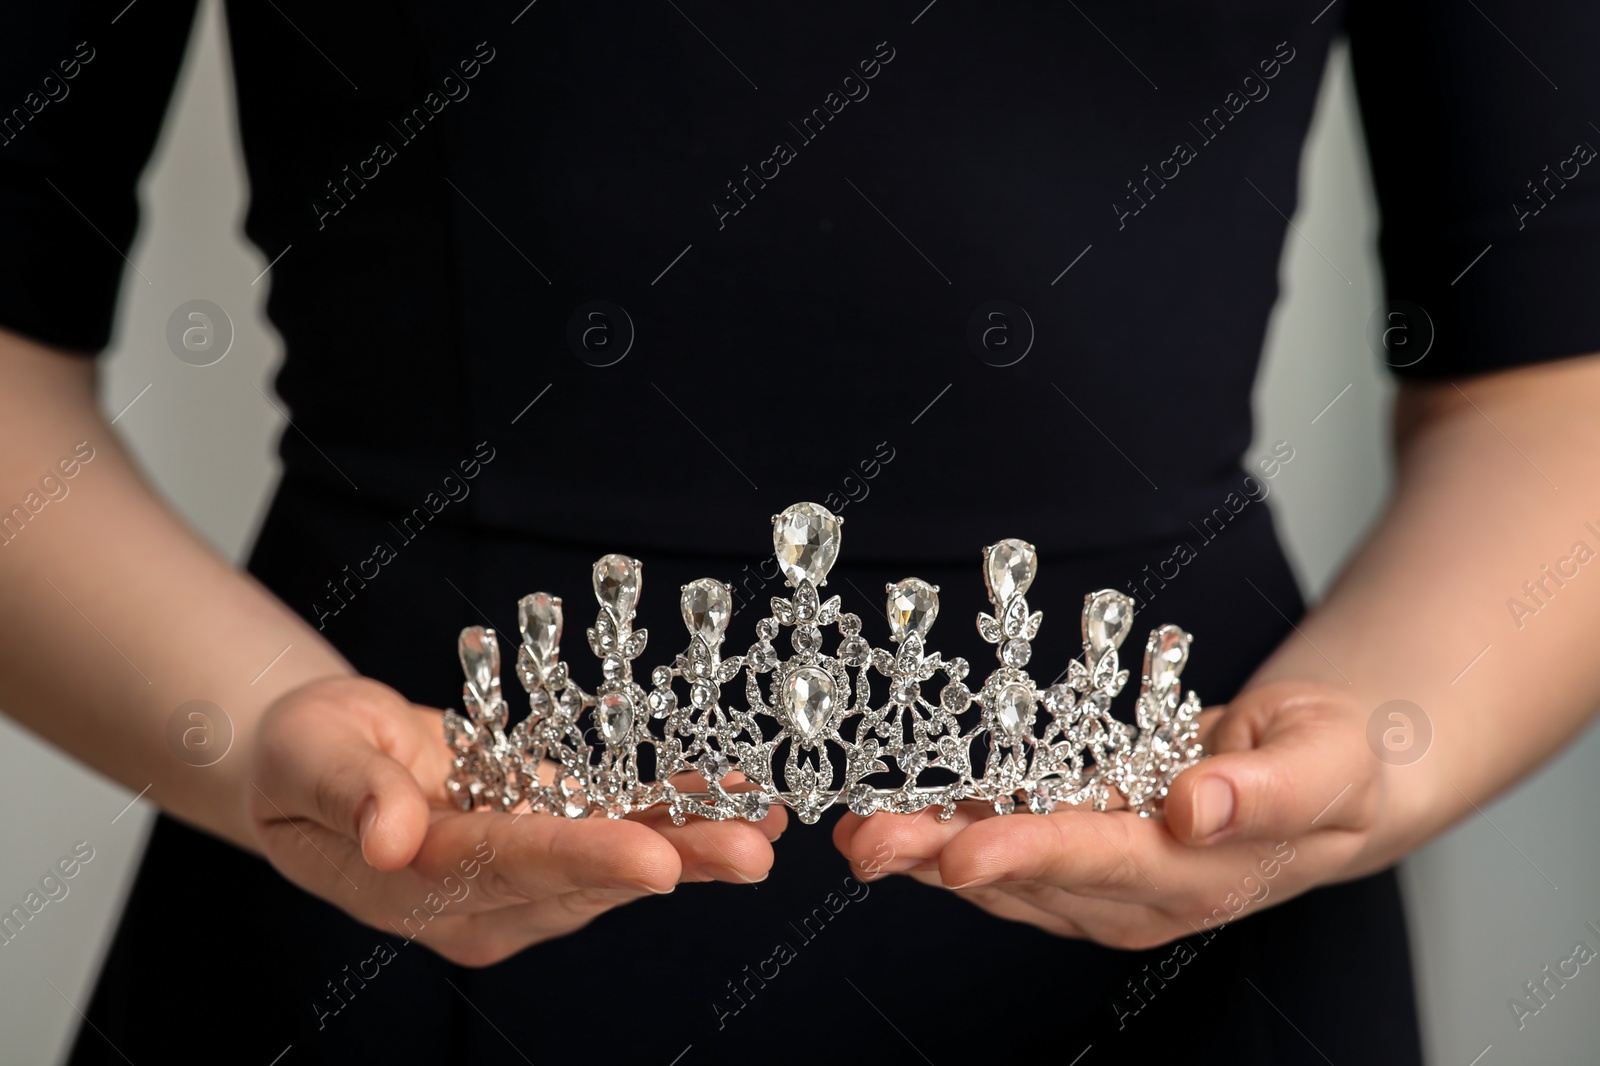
<point>83,88</point>
<point>1484,159</point>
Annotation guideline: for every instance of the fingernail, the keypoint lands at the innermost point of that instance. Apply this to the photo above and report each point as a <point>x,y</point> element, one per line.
<point>874,869</point>
<point>718,872</point>
<point>974,883</point>
<point>619,895</point>
<point>1213,806</point>
<point>367,815</point>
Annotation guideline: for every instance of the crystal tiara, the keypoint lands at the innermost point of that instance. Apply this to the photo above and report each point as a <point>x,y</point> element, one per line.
<point>808,730</point>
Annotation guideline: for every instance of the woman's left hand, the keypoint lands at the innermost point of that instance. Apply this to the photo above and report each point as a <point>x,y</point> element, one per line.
<point>1288,800</point>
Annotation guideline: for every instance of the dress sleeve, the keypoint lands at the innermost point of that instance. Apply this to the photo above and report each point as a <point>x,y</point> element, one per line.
<point>83,89</point>
<point>1484,158</point>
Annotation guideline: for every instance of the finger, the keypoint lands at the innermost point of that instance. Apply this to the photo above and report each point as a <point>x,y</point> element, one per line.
<point>844,830</point>
<point>1114,854</point>
<point>1206,725</point>
<point>883,844</point>
<point>321,861</point>
<point>1013,908</point>
<point>490,936</point>
<point>1127,926</point>
<point>774,824</point>
<point>728,851</point>
<point>332,759</point>
<point>539,856</point>
<point>1284,766</point>
<point>450,915</point>
<point>735,851</point>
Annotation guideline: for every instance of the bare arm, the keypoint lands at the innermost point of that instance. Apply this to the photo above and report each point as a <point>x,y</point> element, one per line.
<point>116,613</point>
<point>1497,480</point>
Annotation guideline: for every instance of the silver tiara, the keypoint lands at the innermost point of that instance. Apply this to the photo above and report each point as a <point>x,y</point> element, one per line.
<point>808,730</point>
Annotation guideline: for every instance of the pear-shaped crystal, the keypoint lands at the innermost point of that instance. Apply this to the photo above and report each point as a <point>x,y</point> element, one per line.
<point>1009,568</point>
<point>1107,617</point>
<point>1165,657</point>
<point>807,702</point>
<point>613,713</point>
<point>1013,706</point>
<point>707,605</point>
<point>616,584</point>
<point>480,657</point>
<point>539,618</point>
<point>913,605</point>
<point>805,539</point>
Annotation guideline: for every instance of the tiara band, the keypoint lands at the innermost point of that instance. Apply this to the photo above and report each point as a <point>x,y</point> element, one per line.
<point>809,730</point>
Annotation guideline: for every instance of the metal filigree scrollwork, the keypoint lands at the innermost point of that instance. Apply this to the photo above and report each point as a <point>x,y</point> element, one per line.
<point>805,728</point>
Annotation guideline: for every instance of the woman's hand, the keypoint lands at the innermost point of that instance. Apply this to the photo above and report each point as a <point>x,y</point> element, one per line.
<point>1288,800</point>
<point>348,802</point>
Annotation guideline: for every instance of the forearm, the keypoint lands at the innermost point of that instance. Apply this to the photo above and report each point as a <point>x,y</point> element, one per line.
<point>116,613</point>
<point>1489,492</point>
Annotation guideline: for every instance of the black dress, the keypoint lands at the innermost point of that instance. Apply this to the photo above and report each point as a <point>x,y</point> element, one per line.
<point>556,279</point>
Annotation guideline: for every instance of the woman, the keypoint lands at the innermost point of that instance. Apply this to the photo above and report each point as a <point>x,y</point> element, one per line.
<point>755,259</point>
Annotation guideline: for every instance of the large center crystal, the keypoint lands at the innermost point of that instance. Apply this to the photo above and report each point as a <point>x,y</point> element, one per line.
<point>1012,707</point>
<point>808,701</point>
<point>613,713</point>
<point>913,605</point>
<point>805,539</point>
<point>539,618</point>
<point>480,657</point>
<point>616,584</point>
<point>1107,617</point>
<point>1009,567</point>
<point>706,605</point>
<point>1170,648</point>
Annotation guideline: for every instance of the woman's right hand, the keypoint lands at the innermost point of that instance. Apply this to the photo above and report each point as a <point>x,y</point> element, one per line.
<point>348,802</point>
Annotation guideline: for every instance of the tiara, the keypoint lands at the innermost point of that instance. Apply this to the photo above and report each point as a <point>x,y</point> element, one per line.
<point>809,730</point>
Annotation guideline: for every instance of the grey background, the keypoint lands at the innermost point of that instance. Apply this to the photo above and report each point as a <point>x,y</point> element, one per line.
<point>1491,902</point>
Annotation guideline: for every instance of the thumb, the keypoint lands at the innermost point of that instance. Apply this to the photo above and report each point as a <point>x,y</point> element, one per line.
<point>1287,762</point>
<point>327,754</point>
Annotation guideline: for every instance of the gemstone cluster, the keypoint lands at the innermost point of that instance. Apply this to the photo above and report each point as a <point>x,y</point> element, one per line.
<point>809,729</point>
